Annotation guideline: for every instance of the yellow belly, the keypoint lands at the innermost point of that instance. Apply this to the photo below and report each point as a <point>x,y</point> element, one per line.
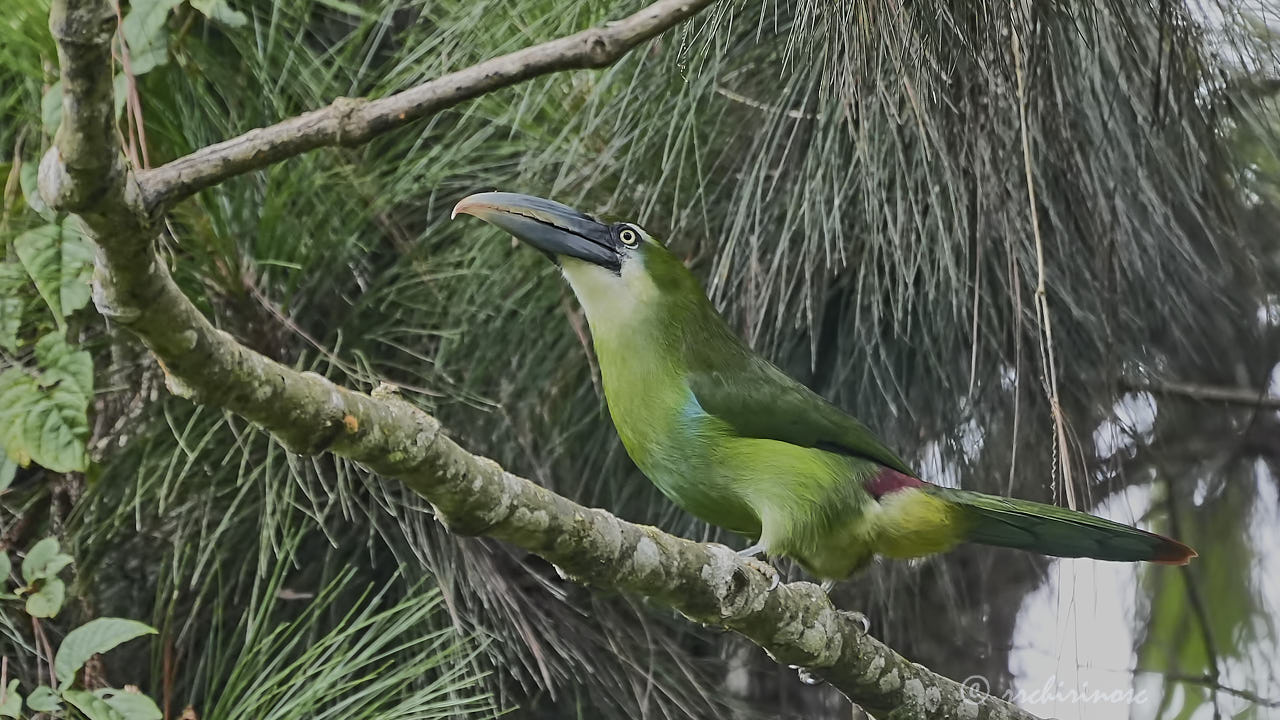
<point>912,523</point>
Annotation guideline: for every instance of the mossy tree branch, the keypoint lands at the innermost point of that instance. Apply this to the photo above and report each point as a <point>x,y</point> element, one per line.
<point>84,173</point>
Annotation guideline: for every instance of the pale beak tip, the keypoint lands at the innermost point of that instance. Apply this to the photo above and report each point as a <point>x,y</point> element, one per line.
<point>464,206</point>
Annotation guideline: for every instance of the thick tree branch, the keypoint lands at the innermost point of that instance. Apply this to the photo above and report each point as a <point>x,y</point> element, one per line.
<point>795,623</point>
<point>351,121</point>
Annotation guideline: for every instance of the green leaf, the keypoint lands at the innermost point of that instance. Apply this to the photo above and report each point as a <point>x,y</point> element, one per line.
<point>46,601</point>
<point>132,705</point>
<point>65,367</point>
<point>59,260</point>
<point>46,420</point>
<point>146,34</point>
<point>28,178</point>
<point>95,636</point>
<point>219,11</point>
<point>93,707</point>
<point>11,706</point>
<point>18,392</point>
<point>51,108</point>
<point>43,699</point>
<point>8,470</point>
<point>12,280</point>
<point>40,558</point>
<point>5,568</point>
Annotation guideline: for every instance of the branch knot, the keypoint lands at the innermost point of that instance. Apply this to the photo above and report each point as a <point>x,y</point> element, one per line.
<point>347,131</point>
<point>598,48</point>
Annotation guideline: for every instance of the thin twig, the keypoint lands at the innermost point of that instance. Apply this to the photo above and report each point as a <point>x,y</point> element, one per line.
<point>764,106</point>
<point>1048,359</point>
<point>576,322</point>
<point>1204,393</point>
<point>43,645</point>
<point>133,103</point>
<point>973,334</point>
<point>1015,278</point>
<point>13,182</point>
<point>1211,683</point>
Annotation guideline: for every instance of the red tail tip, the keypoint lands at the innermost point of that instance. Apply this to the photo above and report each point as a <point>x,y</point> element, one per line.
<point>1174,553</point>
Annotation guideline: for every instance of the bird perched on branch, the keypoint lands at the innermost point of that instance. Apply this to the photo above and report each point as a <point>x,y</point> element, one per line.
<point>733,440</point>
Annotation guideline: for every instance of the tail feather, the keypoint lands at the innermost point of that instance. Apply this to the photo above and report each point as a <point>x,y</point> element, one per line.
<point>1052,530</point>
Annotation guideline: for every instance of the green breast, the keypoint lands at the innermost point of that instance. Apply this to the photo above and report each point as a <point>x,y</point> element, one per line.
<point>671,440</point>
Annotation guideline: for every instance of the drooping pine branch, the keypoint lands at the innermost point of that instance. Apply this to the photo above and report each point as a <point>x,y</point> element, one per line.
<point>796,623</point>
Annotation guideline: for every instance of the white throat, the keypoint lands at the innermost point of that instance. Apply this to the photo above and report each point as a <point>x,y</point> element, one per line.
<point>611,300</point>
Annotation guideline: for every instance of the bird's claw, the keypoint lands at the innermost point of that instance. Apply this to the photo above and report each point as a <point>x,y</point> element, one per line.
<point>767,570</point>
<point>864,624</point>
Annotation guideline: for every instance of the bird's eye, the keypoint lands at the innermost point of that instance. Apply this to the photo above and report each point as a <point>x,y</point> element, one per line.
<point>629,237</point>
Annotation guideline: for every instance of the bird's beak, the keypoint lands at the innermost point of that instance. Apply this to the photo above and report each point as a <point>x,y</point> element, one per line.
<point>555,229</point>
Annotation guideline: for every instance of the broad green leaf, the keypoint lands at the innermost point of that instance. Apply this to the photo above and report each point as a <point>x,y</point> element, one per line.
<point>42,560</point>
<point>5,568</point>
<point>221,12</point>
<point>132,705</point>
<point>59,260</point>
<point>51,108</point>
<point>12,280</point>
<point>95,636</point>
<point>146,34</point>
<point>46,420</point>
<point>18,393</point>
<point>11,705</point>
<point>28,178</point>
<point>52,567</point>
<point>93,707</point>
<point>46,601</point>
<point>65,367</point>
<point>43,699</point>
<point>8,470</point>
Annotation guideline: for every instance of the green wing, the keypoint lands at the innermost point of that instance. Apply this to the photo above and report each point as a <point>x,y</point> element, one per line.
<point>758,400</point>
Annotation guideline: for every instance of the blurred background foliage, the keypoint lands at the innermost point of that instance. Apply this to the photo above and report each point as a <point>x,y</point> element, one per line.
<point>996,232</point>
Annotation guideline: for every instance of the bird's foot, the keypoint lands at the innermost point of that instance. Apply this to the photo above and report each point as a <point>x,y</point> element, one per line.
<point>807,676</point>
<point>864,625</point>
<point>752,555</point>
<point>767,570</point>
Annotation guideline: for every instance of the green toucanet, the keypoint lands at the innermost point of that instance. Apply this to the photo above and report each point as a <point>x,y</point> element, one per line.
<point>735,441</point>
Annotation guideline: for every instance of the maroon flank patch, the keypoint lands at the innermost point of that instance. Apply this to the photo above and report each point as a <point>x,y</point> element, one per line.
<point>889,480</point>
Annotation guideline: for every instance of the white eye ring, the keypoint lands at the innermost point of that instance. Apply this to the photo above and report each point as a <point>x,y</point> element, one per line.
<point>629,237</point>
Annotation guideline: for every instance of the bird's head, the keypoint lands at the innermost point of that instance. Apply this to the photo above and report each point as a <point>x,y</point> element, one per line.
<point>614,268</point>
